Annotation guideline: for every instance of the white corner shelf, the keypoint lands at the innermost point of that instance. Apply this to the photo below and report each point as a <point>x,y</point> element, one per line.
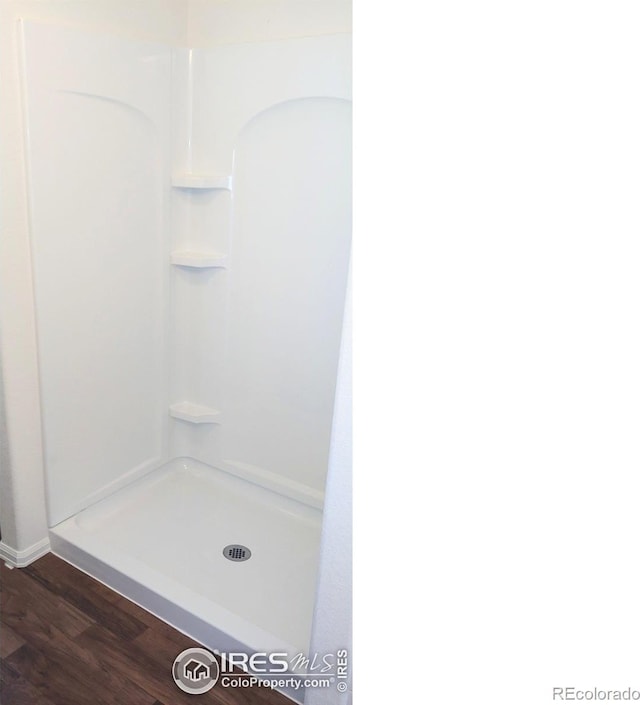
<point>200,181</point>
<point>194,413</point>
<point>198,259</point>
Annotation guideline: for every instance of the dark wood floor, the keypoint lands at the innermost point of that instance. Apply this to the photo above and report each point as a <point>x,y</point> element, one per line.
<point>66,639</point>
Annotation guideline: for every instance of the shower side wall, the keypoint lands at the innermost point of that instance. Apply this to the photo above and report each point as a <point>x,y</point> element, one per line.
<point>22,495</point>
<point>98,122</point>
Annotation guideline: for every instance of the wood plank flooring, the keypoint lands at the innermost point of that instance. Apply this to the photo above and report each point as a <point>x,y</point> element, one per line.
<point>66,639</point>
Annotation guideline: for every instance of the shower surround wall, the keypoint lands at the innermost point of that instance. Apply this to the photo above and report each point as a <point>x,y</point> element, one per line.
<point>99,208</point>
<point>190,228</point>
<point>22,503</point>
<point>267,121</point>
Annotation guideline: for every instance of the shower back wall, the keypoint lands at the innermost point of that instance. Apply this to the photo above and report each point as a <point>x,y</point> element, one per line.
<point>259,338</point>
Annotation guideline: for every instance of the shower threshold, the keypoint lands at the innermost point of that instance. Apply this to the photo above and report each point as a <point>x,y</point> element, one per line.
<point>160,542</point>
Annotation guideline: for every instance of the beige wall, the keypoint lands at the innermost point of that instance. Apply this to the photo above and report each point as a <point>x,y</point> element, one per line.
<point>222,21</point>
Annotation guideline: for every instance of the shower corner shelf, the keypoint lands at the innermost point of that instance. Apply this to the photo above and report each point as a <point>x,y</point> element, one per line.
<point>194,413</point>
<point>198,259</point>
<point>200,181</point>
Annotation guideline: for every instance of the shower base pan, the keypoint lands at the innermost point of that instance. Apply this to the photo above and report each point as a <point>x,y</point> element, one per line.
<point>160,543</point>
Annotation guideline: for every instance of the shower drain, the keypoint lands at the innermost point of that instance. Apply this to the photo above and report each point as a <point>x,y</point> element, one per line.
<point>236,552</point>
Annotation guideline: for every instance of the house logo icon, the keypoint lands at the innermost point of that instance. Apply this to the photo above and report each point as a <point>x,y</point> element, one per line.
<point>195,671</point>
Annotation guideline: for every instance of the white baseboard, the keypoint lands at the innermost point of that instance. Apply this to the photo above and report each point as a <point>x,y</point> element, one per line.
<point>20,559</point>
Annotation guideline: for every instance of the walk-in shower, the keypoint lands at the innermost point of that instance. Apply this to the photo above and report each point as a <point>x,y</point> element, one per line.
<point>190,229</point>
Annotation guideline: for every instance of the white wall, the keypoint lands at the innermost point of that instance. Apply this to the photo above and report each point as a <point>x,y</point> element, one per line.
<point>332,618</point>
<point>22,489</point>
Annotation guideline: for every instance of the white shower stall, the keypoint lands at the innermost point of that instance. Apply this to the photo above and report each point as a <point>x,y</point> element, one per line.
<point>190,220</point>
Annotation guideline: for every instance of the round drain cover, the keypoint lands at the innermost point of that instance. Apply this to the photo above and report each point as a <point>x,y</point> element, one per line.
<point>236,552</point>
